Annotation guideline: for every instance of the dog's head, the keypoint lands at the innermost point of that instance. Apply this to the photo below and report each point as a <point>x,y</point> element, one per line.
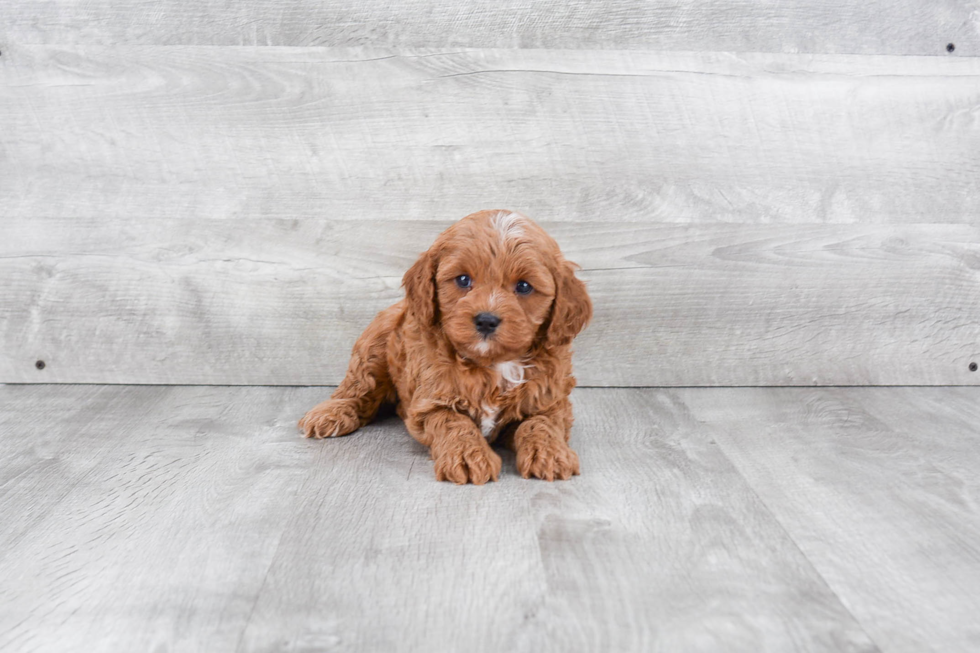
<point>495,284</point>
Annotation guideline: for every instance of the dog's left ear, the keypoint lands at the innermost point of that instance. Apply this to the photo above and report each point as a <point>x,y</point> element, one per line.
<point>572,308</point>
<point>420,288</point>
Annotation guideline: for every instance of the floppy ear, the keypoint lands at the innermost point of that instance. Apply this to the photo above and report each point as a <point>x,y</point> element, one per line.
<point>420,289</point>
<point>572,308</point>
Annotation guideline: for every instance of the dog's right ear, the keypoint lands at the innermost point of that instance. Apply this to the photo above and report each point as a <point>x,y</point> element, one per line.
<point>420,289</point>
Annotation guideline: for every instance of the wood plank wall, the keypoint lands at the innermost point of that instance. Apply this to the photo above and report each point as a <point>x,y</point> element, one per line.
<point>787,26</point>
<point>759,193</point>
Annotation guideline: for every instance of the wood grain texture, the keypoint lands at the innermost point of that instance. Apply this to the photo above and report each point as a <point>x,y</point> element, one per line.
<point>879,489</point>
<point>209,524</point>
<point>203,132</point>
<point>660,540</point>
<point>282,301</point>
<point>41,466</point>
<point>147,517</point>
<point>829,26</point>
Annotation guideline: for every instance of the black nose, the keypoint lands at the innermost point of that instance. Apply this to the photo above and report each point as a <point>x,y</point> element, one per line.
<point>486,323</point>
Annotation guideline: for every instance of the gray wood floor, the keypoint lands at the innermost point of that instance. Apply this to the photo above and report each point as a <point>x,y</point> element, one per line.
<point>149,518</point>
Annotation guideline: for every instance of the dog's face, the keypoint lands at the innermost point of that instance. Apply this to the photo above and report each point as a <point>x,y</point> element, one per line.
<point>495,284</point>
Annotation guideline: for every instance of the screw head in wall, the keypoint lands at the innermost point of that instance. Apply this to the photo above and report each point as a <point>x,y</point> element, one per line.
<point>39,365</point>
<point>950,47</point>
<point>973,367</point>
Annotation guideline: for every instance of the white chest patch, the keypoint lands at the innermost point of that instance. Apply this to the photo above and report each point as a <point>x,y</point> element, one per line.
<point>488,420</point>
<point>511,374</point>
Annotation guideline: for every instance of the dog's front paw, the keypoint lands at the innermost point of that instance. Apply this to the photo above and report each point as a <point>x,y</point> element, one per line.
<point>547,458</point>
<point>329,419</point>
<point>466,461</point>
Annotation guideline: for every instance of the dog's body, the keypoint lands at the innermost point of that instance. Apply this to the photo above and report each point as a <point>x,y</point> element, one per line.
<point>479,348</point>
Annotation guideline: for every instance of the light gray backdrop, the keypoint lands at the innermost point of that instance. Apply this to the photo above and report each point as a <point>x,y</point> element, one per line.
<point>759,193</point>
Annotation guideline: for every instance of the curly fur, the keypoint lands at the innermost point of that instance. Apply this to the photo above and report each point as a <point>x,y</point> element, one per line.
<point>456,389</point>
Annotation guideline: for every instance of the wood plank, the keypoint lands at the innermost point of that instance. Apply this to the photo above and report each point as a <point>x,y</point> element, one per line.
<point>41,467</point>
<point>161,543</point>
<point>829,26</point>
<point>208,524</point>
<point>282,301</point>
<point>879,489</point>
<point>379,557</point>
<point>660,546</point>
<point>153,132</point>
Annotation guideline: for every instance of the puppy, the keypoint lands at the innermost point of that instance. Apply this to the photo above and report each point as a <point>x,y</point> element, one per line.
<point>480,348</point>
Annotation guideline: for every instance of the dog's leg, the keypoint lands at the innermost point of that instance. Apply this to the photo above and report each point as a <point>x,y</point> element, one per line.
<point>541,444</point>
<point>365,387</point>
<point>460,452</point>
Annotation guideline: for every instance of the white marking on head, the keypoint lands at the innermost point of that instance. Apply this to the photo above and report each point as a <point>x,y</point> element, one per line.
<point>508,225</point>
<point>494,298</point>
<point>482,347</point>
<point>489,419</point>
<point>511,374</point>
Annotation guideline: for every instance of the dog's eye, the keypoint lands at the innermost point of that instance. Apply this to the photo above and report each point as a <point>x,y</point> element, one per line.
<point>464,281</point>
<point>523,288</point>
